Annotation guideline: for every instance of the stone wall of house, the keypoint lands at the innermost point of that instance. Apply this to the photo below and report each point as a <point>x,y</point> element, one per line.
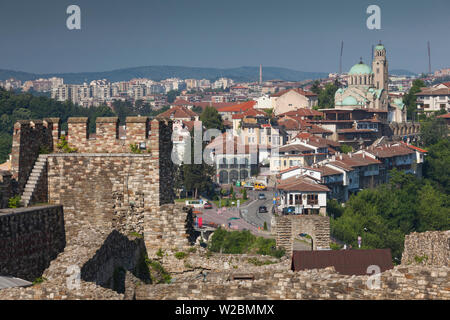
<point>29,239</point>
<point>427,248</point>
<point>29,138</point>
<point>6,191</point>
<point>290,226</point>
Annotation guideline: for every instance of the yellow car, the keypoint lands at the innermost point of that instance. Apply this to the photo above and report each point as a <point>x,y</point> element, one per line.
<point>259,186</point>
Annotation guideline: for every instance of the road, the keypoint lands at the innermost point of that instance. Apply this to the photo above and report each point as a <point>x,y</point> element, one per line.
<point>250,212</point>
<point>247,219</point>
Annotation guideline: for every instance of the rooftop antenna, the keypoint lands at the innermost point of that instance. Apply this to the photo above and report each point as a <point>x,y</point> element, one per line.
<point>340,59</point>
<point>429,58</point>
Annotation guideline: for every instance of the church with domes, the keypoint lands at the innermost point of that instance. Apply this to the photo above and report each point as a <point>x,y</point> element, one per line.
<point>367,86</point>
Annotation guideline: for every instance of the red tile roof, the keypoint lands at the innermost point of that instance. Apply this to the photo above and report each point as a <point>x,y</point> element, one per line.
<point>301,184</point>
<point>298,90</point>
<point>315,141</point>
<point>445,116</point>
<point>414,147</point>
<point>302,112</point>
<point>238,107</point>
<point>389,151</point>
<point>181,102</point>
<point>178,112</point>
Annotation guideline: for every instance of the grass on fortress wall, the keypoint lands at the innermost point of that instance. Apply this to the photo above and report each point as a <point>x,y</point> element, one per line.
<point>240,242</point>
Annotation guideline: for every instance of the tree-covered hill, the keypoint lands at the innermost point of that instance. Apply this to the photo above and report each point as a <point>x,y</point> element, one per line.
<point>158,73</point>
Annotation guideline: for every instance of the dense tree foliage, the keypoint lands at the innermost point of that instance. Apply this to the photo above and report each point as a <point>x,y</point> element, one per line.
<point>410,98</point>
<point>211,119</point>
<point>238,242</point>
<point>383,216</point>
<point>197,177</point>
<point>326,94</point>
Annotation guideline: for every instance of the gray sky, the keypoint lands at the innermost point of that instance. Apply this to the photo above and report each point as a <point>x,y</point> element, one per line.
<point>297,34</point>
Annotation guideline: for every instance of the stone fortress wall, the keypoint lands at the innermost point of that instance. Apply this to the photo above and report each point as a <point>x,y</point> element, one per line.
<point>427,248</point>
<point>29,239</point>
<point>6,189</point>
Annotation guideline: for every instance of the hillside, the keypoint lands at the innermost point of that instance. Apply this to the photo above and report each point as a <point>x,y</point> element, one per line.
<point>158,73</point>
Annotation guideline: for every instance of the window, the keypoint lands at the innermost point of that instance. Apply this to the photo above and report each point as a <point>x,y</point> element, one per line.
<point>312,199</point>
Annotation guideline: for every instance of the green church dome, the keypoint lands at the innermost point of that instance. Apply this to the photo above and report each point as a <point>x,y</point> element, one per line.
<point>360,68</point>
<point>379,47</point>
<point>349,101</point>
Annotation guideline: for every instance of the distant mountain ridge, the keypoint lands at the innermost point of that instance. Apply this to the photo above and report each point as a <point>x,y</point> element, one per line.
<point>158,73</point>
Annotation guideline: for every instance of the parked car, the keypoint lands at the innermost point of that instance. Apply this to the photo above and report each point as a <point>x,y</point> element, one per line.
<point>262,196</point>
<point>208,205</point>
<point>262,209</point>
<point>288,210</point>
<point>259,186</point>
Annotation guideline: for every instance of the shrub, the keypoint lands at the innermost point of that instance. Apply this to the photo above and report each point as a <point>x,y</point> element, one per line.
<point>136,234</point>
<point>157,268</point>
<point>160,253</point>
<point>244,194</point>
<point>180,255</point>
<point>134,148</point>
<point>258,263</point>
<point>39,280</point>
<point>44,150</point>
<point>239,242</point>
<point>334,246</point>
<point>63,146</point>
<point>265,226</point>
<point>14,202</point>
<point>421,259</point>
<point>192,250</point>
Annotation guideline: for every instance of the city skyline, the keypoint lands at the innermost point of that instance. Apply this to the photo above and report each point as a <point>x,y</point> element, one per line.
<point>115,35</point>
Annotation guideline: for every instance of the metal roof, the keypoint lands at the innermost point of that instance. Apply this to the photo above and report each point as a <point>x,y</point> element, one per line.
<point>11,282</point>
<point>347,262</point>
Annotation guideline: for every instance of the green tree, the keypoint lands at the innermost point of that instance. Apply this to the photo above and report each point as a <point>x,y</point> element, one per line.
<point>432,130</point>
<point>211,119</point>
<point>346,148</point>
<point>436,167</point>
<point>433,209</point>
<point>410,99</point>
<point>326,96</point>
<point>172,95</point>
<point>198,177</point>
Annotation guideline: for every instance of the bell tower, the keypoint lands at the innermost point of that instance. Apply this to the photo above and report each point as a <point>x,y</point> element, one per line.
<point>380,68</point>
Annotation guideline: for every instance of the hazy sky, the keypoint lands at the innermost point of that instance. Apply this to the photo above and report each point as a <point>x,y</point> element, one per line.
<point>297,34</point>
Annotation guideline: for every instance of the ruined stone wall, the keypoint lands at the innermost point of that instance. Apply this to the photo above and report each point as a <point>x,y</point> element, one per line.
<point>289,227</point>
<point>412,282</point>
<point>427,248</point>
<point>29,137</point>
<point>6,191</point>
<point>167,229</point>
<point>107,190</point>
<point>29,239</point>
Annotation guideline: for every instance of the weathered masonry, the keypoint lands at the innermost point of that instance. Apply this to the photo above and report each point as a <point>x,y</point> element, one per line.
<point>29,239</point>
<point>291,226</point>
<point>103,183</point>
